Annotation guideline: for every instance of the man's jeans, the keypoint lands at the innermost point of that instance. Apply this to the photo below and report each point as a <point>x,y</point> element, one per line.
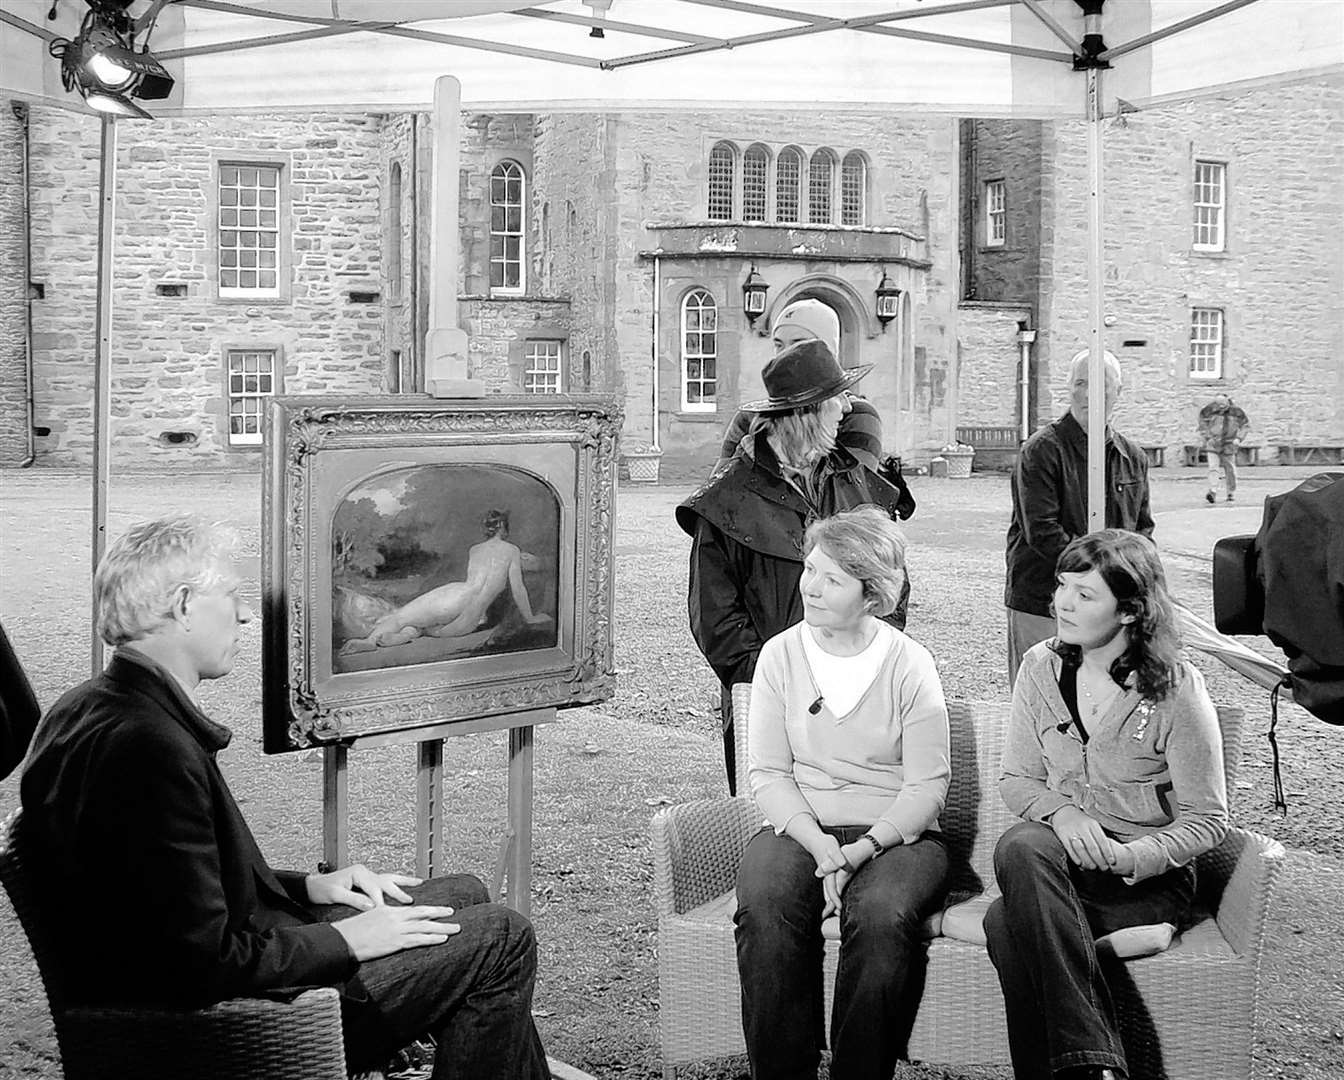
<point>882,955</point>
<point>473,993</point>
<point>1220,465</point>
<point>1040,936</point>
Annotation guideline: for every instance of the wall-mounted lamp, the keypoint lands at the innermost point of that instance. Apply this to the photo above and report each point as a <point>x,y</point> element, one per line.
<point>888,299</point>
<point>753,295</point>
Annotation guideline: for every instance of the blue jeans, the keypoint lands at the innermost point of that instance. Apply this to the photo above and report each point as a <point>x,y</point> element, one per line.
<point>882,955</point>
<point>1040,936</point>
<point>473,993</point>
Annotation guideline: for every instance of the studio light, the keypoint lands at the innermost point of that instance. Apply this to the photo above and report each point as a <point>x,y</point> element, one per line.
<point>104,65</point>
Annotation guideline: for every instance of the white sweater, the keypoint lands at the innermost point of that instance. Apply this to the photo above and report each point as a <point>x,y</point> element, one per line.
<point>886,759</point>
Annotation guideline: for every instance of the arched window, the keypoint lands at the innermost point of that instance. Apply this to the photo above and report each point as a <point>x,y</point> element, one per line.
<point>721,161</point>
<point>853,189</point>
<point>506,227</point>
<point>788,176</point>
<point>755,170</point>
<point>394,233</point>
<point>820,177</point>
<point>699,351</point>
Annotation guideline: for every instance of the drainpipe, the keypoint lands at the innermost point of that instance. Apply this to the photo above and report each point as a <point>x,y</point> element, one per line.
<point>657,322</point>
<point>1025,339</point>
<point>20,110</point>
<point>417,341</point>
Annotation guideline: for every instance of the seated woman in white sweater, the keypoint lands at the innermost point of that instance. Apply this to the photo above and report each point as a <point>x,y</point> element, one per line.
<point>848,760</point>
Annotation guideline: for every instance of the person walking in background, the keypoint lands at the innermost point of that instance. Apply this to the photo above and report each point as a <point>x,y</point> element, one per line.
<point>746,522</point>
<point>1049,490</point>
<point>1222,426</point>
<point>849,762</point>
<point>1114,761</point>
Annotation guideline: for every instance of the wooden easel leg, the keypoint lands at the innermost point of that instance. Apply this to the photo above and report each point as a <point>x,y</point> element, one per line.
<point>428,807</point>
<point>335,807</point>
<point>520,819</point>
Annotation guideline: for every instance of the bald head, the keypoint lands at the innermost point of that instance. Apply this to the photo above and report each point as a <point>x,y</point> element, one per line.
<point>1078,383</point>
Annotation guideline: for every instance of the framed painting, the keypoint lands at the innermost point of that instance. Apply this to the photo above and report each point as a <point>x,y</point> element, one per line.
<point>429,560</point>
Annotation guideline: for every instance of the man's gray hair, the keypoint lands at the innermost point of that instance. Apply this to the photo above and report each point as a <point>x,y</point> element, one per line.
<point>143,568</point>
<point>1080,362</point>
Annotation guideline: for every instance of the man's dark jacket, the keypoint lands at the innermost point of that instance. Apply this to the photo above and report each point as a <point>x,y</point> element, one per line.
<point>160,892</point>
<point>747,524</point>
<point>1050,505</point>
<point>18,708</point>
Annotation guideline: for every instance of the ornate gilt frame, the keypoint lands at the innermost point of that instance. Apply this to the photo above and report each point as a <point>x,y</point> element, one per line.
<point>319,447</point>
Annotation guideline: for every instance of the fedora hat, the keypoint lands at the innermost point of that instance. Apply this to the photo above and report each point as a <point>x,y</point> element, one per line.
<point>805,373</point>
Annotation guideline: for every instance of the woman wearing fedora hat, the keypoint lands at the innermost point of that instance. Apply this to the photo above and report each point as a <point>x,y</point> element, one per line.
<point>747,521</point>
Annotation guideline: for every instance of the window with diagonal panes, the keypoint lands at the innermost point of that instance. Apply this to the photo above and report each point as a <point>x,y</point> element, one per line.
<point>249,230</point>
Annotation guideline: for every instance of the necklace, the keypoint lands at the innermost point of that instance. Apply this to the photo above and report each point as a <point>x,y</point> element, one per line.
<point>1093,705</point>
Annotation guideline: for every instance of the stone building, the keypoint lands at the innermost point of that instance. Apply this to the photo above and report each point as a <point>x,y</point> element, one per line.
<point>609,252</point>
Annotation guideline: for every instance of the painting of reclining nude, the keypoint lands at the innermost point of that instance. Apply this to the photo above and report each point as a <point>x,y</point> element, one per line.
<point>439,562</point>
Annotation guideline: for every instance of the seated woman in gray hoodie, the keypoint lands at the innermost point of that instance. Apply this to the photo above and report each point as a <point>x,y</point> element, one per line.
<point>1114,759</point>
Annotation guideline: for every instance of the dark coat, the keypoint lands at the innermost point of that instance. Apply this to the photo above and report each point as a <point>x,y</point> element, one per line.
<point>161,893</point>
<point>1049,487</point>
<point>18,708</point>
<point>747,524</point>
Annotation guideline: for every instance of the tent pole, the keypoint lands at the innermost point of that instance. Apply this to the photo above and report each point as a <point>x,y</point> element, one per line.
<point>102,365</point>
<point>1096,378</point>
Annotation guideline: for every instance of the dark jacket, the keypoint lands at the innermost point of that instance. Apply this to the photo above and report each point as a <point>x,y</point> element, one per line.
<point>1222,426</point>
<point>18,708</point>
<point>160,891</point>
<point>747,524</point>
<point>1049,487</point>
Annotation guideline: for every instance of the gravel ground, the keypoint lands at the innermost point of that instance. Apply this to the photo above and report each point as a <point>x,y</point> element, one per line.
<point>602,771</point>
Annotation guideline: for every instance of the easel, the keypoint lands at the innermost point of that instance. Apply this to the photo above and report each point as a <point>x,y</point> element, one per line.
<point>514,861</point>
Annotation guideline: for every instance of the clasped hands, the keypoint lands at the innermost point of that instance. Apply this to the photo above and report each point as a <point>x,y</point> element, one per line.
<point>379,929</point>
<point>836,865</point>
<point>1087,844</point>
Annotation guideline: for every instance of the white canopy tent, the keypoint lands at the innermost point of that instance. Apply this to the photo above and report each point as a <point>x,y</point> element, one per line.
<point>1027,58</point>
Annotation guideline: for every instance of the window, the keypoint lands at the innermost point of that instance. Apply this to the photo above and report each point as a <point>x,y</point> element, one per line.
<point>699,351</point>
<point>394,233</point>
<point>249,230</point>
<point>755,166</point>
<point>788,176</point>
<point>853,189</point>
<point>820,176</point>
<point>506,227</point>
<point>1206,343</point>
<point>996,213</point>
<point>541,367</point>
<point>251,382</point>
<point>1210,205</point>
<point>721,160</point>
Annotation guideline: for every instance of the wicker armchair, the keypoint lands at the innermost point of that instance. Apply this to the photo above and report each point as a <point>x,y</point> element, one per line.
<point>243,1039</point>
<point>1188,1013</point>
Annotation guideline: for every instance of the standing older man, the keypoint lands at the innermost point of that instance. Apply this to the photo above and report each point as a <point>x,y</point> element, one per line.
<point>157,884</point>
<point>1049,488</point>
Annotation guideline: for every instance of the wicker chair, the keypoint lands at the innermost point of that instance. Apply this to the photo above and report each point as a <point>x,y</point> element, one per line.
<point>1188,1013</point>
<point>243,1039</point>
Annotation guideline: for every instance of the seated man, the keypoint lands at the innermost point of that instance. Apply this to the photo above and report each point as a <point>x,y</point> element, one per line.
<point>159,890</point>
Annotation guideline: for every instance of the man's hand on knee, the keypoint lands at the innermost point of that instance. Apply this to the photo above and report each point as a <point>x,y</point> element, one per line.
<point>385,930</point>
<point>358,887</point>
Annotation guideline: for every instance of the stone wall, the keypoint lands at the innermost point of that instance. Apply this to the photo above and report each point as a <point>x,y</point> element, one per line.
<point>990,364</point>
<point>1280,282</point>
<point>168,352</point>
<point>1007,150</point>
